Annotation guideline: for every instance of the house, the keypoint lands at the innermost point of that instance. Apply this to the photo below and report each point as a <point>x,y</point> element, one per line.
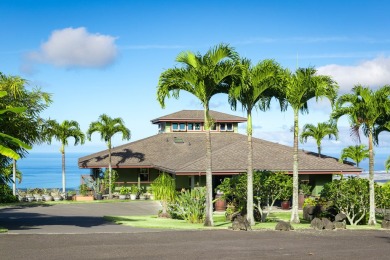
<point>179,148</point>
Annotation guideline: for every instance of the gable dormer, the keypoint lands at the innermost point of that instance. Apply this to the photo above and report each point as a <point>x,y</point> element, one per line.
<point>193,121</point>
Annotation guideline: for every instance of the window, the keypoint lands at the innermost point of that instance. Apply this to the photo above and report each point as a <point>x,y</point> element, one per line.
<point>178,126</point>
<point>193,126</point>
<point>226,127</point>
<point>144,174</point>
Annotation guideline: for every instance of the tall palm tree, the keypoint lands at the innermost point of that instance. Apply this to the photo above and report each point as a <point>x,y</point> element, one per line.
<point>387,164</point>
<point>299,88</point>
<point>203,76</point>
<point>319,132</point>
<point>356,153</point>
<point>255,90</point>
<point>61,132</point>
<point>365,107</point>
<point>108,127</point>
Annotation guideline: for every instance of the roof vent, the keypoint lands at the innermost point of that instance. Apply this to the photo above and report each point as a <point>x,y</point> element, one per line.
<point>177,140</point>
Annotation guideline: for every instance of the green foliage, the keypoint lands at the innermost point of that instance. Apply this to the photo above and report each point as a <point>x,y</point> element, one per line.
<point>83,188</point>
<point>189,205</point>
<point>356,153</point>
<point>24,123</point>
<point>164,188</point>
<point>134,189</point>
<point>124,190</point>
<point>6,195</point>
<point>350,196</point>
<point>267,188</point>
<point>306,189</point>
<point>106,179</point>
<point>382,197</point>
<point>319,132</point>
<point>309,202</point>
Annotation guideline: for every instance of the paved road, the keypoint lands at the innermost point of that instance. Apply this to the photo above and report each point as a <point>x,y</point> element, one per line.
<point>76,218</point>
<point>200,245</point>
<point>78,231</point>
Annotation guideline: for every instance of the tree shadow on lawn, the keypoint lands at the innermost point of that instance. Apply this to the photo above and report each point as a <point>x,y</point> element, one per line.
<point>25,221</point>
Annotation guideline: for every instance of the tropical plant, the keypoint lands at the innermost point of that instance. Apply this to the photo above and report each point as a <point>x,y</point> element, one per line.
<point>356,153</point>
<point>268,187</point>
<point>124,190</point>
<point>6,174</point>
<point>350,196</point>
<point>387,164</point>
<point>61,132</point>
<point>382,198</point>
<point>319,132</point>
<point>164,189</point>
<point>255,89</point>
<point>109,179</point>
<point>108,127</point>
<point>299,88</point>
<point>8,140</point>
<point>189,205</point>
<point>365,107</point>
<point>202,76</point>
<point>83,188</point>
<point>24,126</point>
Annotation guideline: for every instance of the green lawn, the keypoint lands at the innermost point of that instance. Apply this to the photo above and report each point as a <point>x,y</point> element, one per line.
<point>219,222</point>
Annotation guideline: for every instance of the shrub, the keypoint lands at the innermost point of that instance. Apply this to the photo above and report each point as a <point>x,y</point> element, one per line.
<point>309,202</point>
<point>6,195</point>
<point>189,205</point>
<point>350,196</point>
<point>124,190</point>
<point>382,198</point>
<point>164,189</point>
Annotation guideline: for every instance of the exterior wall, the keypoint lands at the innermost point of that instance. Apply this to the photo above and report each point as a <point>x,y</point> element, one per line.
<point>319,180</point>
<point>235,126</point>
<point>167,127</point>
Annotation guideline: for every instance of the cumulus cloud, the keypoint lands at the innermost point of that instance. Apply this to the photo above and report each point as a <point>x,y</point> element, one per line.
<point>373,73</point>
<point>76,47</point>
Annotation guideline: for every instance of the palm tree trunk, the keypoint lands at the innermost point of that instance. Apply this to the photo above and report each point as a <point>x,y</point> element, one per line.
<point>371,218</point>
<point>209,180</point>
<point>63,171</point>
<point>294,211</point>
<point>14,177</point>
<point>319,151</point>
<point>109,173</point>
<point>249,204</point>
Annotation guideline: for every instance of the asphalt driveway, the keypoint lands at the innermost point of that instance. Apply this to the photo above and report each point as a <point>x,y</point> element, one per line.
<point>74,218</point>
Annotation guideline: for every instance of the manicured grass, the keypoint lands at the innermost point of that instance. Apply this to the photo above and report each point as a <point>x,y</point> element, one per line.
<point>3,230</point>
<point>165,223</point>
<point>219,223</point>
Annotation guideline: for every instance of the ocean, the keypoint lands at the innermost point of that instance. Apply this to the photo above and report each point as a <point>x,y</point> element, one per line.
<point>44,170</point>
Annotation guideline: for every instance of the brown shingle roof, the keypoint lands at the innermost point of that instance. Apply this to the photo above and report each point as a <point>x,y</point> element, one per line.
<point>198,116</point>
<point>229,155</point>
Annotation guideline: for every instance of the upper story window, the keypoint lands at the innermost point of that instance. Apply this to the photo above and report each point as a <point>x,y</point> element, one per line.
<point>179,126</point>
<point>193,126</point>
<point>226,127</point>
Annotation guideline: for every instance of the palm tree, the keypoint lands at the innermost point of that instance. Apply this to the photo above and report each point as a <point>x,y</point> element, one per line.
<point>387,164</point>
<point>364,108</point>
<point>61,132</point>
<point>203,76</point>
<point>319,132</point>
<point>255,90</point>
<point>299,88</point>
<point>108,127</point>
<point>356,153</point>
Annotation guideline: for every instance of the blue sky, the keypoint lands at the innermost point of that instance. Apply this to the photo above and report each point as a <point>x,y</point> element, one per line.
<point>106,56</point>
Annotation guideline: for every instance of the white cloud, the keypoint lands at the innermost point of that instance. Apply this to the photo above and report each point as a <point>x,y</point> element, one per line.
<point>76,47</point>
<point>373,73</point>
